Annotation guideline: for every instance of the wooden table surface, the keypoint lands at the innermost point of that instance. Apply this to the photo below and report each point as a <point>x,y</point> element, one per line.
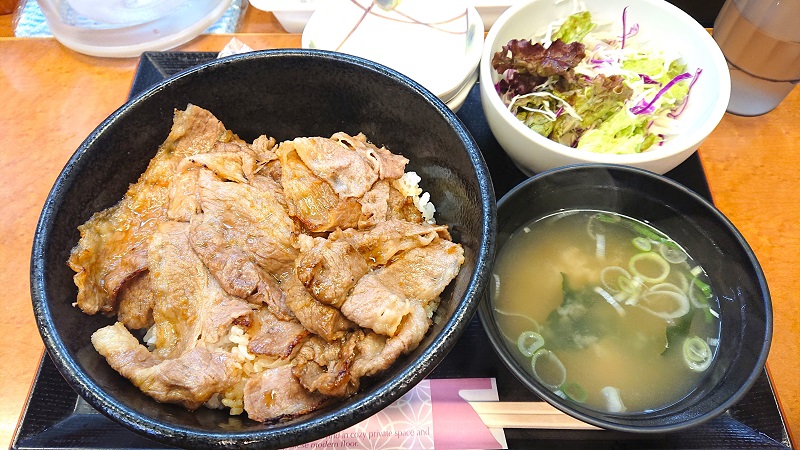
<point>51,98</point>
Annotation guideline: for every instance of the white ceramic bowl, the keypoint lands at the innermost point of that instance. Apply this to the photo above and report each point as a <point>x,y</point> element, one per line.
<point>660,23</point>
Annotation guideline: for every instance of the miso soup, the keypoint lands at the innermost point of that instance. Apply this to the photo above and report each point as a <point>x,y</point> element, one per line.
<point>605,310</point>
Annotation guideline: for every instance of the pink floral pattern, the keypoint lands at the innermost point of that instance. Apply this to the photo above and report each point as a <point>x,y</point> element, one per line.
<point>408,423</point>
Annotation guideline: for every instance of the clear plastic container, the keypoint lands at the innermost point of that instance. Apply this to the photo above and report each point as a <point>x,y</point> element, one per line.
<point>761,42</point>
<point>126,28</point>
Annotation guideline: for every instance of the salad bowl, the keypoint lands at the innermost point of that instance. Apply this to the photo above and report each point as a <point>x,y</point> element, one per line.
<point>677,77</point>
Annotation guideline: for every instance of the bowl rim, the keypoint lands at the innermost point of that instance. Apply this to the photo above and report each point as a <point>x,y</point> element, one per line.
<point>698,135</point>
<point>385,391</point>
<point>500,348</point>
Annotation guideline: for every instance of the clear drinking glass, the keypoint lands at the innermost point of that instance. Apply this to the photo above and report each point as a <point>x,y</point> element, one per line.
<point>761,42</point>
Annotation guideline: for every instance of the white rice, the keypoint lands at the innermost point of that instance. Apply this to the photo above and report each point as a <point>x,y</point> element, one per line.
<point>235,345</point>
<point>408,185</point>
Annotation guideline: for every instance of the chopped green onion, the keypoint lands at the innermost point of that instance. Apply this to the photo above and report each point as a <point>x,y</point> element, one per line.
<point>608,218</point>
<point>610,299</point>
<point>697,354</point>
<point>642,243</point>
<point>647,232</point>
<point>600,247</point>
<point>623,297</point>
<point>701,301</point>
<point>521,322</point>
<point>529,342</point>
<point>649,257</point>
<point>667,287</point>
<point>548,369</point>
<point>574,391</point>
<point>633,287</point>
<point>707,292</point>
<point>592,223</point>
<point>653,302</point>
<point>640,229</point>
<point>697,301</point>
<point>630,285</point>
<point>684,281</point>
<point>627,285</point>
<point>613,278</point>
<point>632,300</point>
<point>673,254</point>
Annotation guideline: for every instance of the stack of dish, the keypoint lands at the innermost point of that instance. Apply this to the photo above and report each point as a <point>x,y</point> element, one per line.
<point>438,45</point>
<point>294,14</point>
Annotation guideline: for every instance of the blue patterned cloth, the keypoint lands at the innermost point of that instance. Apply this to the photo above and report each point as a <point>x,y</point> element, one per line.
<point>31,23</point>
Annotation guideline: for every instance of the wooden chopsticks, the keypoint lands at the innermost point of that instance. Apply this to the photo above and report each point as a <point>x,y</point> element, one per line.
<point>526,415</point>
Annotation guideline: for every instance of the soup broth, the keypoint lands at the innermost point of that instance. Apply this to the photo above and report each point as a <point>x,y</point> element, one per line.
<point>605,310</point>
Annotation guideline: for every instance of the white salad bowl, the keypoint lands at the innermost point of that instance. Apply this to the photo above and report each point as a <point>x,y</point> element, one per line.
<point>661,26</point>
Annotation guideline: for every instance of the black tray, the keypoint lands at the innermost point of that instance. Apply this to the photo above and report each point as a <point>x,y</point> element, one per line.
<point>56,417</point>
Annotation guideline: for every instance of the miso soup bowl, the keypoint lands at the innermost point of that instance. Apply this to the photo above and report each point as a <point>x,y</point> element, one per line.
<point>712,241</point>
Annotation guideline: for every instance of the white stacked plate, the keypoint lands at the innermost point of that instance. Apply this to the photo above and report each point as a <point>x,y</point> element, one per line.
<point>437,44</point>
<point>294,14</point>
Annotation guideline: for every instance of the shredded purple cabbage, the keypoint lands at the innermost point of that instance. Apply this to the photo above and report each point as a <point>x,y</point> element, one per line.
<point>624,26</point>
<point>625,32</point>
<point>634,30</point>
<point>647,79</point>
<point>682,107</point>
<point>598,63</point>
<point>644,107</point>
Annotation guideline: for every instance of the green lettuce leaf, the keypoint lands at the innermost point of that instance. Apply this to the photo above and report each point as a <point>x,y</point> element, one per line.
<point>595,101</point>
<point>622,133</point>
<point>575,27</point>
